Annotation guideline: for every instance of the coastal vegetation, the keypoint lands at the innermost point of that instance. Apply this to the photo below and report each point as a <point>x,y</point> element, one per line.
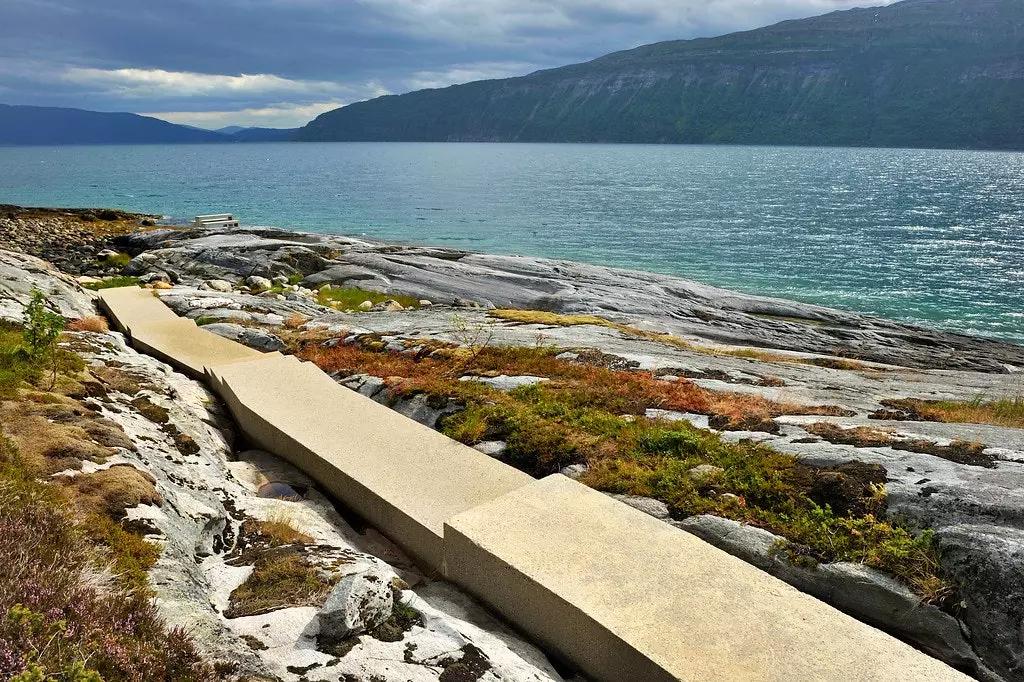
<point>112,283</point>
<point>591,412</point>
<point>1007,411</point>
<point>75,602</point>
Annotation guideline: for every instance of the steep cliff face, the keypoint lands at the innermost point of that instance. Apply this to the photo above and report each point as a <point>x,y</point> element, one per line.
<point>942,73</point>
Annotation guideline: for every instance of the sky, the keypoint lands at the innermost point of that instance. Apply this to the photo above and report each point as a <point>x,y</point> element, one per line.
<point>280,63</point>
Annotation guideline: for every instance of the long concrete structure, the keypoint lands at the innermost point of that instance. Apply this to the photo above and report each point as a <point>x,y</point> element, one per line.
<point>623,596</point>
<point>404,478</point>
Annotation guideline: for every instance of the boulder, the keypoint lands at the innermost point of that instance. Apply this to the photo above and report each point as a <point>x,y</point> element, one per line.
<point>155,276</point>
<point>862,592</point>
<point>359,602</point>
<point>254,338</point>
<point>987,562</point>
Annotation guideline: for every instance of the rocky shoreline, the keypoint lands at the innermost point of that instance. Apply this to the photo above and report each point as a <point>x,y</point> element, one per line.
<point>259,286</point>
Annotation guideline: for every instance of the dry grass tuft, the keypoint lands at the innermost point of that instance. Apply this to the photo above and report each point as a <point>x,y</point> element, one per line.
<point>295,321</point>
<point>1007,412</point>
<point>89,324</point>
<point>111,492</point>
<point>48,447</point>
<point>279,529</point>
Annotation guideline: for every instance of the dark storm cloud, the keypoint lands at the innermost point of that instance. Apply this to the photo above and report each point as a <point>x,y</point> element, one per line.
<point>186,58</point>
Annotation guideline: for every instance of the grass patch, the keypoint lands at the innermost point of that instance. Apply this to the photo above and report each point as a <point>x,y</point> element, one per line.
<point>593,414</point>
<point>113,283</point>
<point>117,260</point>
<point>279,529</point>
<point>1008,412</point>
<point>349,299</point>
<point>279,579</point>
<point>555,319</point>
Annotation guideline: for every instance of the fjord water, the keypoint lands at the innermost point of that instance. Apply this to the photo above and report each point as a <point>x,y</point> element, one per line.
<point>925,236</point>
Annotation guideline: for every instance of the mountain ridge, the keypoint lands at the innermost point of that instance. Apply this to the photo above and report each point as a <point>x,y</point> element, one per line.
<point>917,73</point>
<point>37,126</point>
<point>31,125</point>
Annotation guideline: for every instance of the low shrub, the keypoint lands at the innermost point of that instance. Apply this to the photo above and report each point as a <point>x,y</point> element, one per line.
<point>591,414</point>
<point>113,283</point>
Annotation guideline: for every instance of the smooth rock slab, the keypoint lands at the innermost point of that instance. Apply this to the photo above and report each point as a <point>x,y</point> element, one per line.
<point>506,383</point>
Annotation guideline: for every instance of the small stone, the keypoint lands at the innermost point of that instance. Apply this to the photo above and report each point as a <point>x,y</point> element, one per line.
<point>162,285</point>
<point>257,282</point>
<point>648,505</point>
<point>85,279</point>
<point>359,602</point>
<point>156,276</point>
<point>280,279</point>
<point>574,471</point>
<point>106,253</point>
<point>704,471</point>
<point>221,285</point>
<point>492,448</point>
<point>424,303</point>
<point>365,305</point>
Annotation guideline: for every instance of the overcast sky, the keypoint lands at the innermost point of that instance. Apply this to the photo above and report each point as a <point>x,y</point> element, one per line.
<point>279,63</point>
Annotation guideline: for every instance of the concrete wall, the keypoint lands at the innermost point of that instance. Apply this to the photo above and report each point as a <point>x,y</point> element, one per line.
<point>624,596</point>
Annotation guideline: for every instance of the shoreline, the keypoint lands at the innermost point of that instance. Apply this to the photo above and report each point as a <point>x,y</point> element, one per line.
<point>667,303</point>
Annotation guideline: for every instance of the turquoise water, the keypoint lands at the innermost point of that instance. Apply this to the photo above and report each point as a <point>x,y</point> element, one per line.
<point>932,237</point>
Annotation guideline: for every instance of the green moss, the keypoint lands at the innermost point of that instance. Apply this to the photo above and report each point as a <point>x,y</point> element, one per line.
<point>351,298</point>
<point>113,283</point>
<point>130,555</point>
<point>118,260</point>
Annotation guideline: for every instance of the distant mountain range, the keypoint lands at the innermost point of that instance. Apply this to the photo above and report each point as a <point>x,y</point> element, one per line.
<point>918,73</point>
<point>25,125</point>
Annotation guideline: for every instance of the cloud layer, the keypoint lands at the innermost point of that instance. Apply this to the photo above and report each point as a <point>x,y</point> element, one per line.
<point>275,62</point>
